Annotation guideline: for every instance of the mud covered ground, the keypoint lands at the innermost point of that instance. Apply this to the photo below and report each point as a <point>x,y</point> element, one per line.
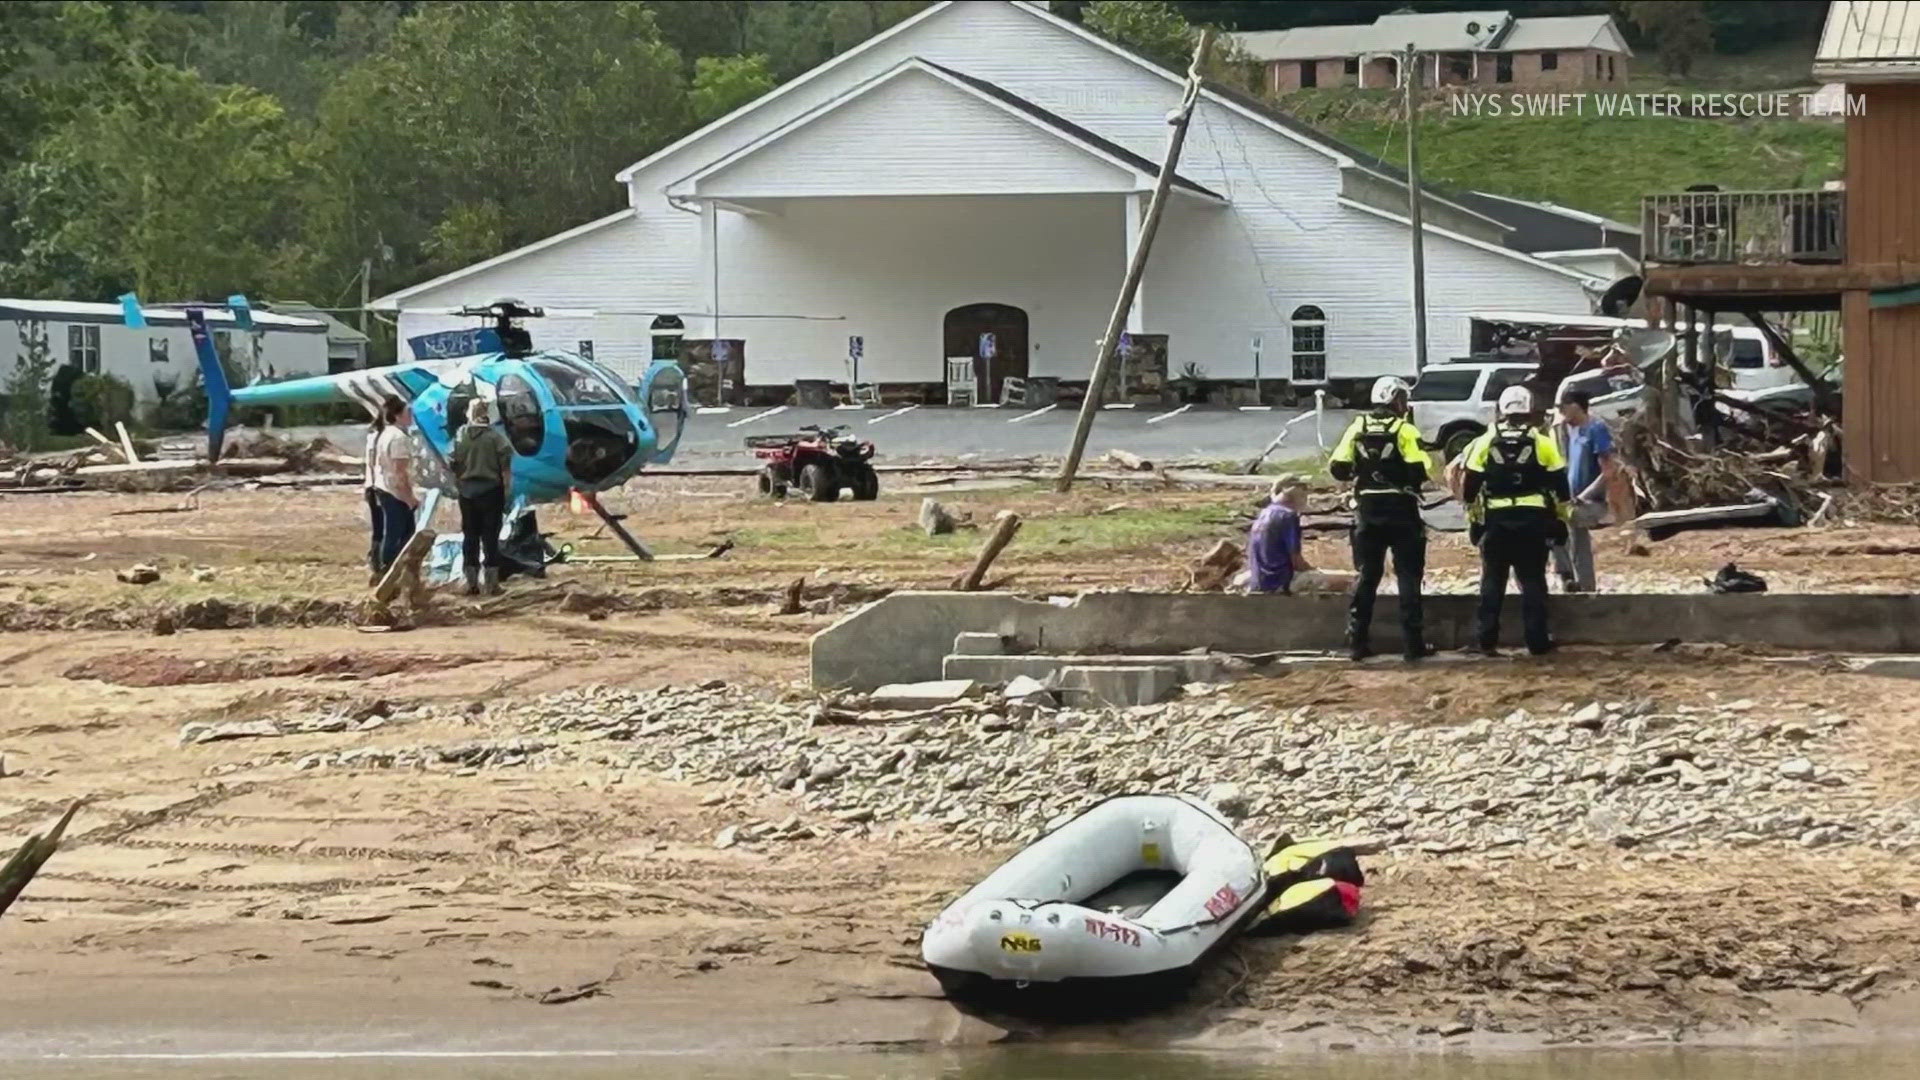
<point>218,895</point>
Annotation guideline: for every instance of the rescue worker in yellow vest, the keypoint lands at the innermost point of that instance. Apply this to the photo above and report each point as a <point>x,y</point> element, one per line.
<point>1380,454</point>
<point>1517,498</point>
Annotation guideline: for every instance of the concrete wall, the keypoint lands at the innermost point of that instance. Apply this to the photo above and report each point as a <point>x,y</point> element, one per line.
<point>904,637</point>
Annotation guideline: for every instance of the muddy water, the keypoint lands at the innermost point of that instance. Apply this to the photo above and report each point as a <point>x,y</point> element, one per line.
<point>1884,1063</point>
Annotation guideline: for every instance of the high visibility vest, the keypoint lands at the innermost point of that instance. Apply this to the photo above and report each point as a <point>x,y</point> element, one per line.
<point>1512,475</point>
<point>1379,468</point>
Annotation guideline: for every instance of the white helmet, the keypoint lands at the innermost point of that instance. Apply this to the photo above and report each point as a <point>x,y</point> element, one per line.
<point>1515,401</point>
<point>1386,388</point>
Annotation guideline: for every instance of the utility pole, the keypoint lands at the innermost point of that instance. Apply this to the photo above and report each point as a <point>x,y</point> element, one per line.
<point>366,291</point>
<point>1179,118</point>
<point>1410,83</point>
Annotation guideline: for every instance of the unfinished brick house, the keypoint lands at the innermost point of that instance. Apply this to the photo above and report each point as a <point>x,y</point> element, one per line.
<point>1456,48</point>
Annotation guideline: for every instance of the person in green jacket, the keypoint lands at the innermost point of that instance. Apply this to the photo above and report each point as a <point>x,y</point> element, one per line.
<point>483,469</point>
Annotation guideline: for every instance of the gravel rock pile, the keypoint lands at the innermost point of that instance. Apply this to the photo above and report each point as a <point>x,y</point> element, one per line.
<point>985,774</point>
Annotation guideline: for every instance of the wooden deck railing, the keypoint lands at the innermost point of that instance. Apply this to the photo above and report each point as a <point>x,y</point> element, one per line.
<point>1743,228</point>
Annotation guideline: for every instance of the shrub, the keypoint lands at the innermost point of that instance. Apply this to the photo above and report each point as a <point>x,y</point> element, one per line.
<point>60,416</point>
<point>100,401</point>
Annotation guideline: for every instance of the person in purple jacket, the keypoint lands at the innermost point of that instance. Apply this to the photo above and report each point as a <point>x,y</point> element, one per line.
<point>1274,555</point>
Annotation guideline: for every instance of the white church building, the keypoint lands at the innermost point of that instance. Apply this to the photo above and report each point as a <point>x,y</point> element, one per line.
<point>966,187</point>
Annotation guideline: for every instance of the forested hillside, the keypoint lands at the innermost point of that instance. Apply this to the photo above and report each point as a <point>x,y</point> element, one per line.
<point>276,146</point>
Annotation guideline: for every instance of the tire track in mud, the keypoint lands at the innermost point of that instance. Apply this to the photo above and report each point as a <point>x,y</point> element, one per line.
<point>132,823</point>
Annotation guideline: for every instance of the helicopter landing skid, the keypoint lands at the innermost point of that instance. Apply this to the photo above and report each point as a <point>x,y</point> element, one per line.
<point>633,543</point>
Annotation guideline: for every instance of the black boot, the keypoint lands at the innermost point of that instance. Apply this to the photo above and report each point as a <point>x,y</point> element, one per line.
<point>1358,645</point>
<point>1417,649</point>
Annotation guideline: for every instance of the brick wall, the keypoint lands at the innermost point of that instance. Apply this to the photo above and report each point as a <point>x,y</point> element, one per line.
<point>1285,74</point>
<point>1576,69</point>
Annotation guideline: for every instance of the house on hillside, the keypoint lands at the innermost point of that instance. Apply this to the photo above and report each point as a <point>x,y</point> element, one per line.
<point>1852,247</point>
<point>954,202</point>
<point>157,359</point>
<point>1491,49</point>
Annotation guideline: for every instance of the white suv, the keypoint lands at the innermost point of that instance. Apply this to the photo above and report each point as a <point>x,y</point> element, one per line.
<point>1454,403</point>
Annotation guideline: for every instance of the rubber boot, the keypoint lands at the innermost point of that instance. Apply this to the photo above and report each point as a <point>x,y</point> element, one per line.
<point>1358,645</point>
<point>490,580</point>
<point>473,581</point>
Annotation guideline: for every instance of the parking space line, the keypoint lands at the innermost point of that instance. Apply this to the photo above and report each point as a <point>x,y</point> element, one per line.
<point>894,413</point>
<point>1034,413</point>
<point>1168,415</point>
<point>775,411</point>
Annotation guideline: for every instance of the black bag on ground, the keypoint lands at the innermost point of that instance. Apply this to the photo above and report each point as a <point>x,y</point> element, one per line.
<point>1732,579</point>
<point>526,550</point>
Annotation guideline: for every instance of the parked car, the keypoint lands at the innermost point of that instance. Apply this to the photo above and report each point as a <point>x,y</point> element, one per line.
<point>1453,404</point>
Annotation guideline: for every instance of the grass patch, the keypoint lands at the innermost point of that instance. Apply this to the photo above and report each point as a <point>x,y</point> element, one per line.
<point>1312,469</point>
<point>1602,164</point>
<point>1118,530</point>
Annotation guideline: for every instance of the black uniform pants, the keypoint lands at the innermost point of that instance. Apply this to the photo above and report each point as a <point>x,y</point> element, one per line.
<point>480,518</point>
<point>1518,548</point>
<point>1373,541</point>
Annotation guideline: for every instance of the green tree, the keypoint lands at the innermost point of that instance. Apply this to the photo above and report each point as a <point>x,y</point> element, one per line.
<point>530,107</point>
<point>1156,29</point>
<point>1153,28</point>
<point>1679,30</point>
<point>174,186</point>
<point>23,423</point>
<point>722,84</point>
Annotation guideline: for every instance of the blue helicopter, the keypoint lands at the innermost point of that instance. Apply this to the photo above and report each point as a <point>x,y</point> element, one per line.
<point>575,426</point>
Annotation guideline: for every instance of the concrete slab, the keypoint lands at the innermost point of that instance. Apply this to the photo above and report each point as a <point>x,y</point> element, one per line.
<point>909,634</point>
<point>923,695</point>
<point>972,644</point>
<point>994,670</point>
<point>1892,667</point>
<point>1116,686</point>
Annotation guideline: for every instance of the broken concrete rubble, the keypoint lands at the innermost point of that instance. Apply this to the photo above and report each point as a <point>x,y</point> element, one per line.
<point>923,695</point>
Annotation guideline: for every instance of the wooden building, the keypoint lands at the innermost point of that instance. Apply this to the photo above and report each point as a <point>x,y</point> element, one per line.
<point>1853,247</point>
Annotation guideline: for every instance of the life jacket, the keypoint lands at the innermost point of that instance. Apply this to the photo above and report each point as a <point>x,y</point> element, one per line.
<point>1512,469</point>
<point>1378,465</point>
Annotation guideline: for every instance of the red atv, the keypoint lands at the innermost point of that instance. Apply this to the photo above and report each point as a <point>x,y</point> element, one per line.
<point>818,462</point>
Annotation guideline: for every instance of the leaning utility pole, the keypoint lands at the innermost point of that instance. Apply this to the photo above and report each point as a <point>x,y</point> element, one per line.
<point>366,291</point>
<point>1097,382</point>
<point>1410,83</point>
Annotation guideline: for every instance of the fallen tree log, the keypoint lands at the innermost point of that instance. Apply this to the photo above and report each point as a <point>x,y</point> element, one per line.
<point>1005,524</point>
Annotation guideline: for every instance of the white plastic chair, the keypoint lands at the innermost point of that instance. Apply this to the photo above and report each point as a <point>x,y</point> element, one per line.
<point>961,389</point>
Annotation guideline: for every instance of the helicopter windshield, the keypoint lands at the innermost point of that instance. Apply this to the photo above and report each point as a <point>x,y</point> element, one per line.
<point>576,384</point>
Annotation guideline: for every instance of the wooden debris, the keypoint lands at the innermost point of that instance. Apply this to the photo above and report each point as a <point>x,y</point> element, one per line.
<point>143,574</point>
<point>1216,568</point>
<point>790,603</point>
<point>126,441</point>
<point>1006,523</point>
<point>403,576</point>
<point>27,862</point>
<point>120,451</point>
<point>1129,462</point>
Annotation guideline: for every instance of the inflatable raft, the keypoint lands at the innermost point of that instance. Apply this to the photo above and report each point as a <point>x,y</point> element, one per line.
<point>1114,910</point>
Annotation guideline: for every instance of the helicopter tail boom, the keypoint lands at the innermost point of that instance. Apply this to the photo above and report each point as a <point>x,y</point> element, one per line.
<point>214,378</point>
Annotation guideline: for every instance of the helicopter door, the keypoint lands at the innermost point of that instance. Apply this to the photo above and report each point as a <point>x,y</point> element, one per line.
<point>520,413</point>
<point>665,396</point>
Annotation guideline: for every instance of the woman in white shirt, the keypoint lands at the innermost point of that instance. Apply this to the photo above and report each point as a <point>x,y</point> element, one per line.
<point>393,481</point>
<point>370,489</point>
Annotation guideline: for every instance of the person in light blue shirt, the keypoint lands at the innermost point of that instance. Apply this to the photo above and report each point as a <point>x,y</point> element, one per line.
<point>1590,468</point>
